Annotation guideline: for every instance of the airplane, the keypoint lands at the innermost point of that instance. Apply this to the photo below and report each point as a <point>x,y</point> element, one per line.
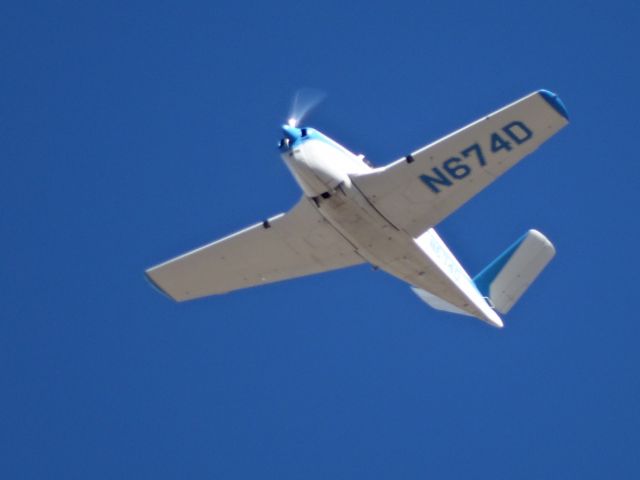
<point>352,213</point>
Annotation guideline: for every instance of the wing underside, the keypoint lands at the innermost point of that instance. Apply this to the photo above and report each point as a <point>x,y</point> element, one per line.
<point>418,191</point>
<point>289,245</point>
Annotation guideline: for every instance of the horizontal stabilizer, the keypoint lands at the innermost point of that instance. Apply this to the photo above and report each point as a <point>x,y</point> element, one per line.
<point>446,286</point>
<point>436,302</point>
<point>505,279</point>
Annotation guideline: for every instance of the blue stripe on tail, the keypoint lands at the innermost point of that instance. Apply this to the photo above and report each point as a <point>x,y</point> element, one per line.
<point>486,277</point>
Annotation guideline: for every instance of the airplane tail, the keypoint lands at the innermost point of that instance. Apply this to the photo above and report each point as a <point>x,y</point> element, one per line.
<point>499,286</point>
<point>505,279</point>
<point>448,286</point>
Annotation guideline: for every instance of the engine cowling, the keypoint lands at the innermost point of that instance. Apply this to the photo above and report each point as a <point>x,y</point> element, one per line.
<point>318,164</point>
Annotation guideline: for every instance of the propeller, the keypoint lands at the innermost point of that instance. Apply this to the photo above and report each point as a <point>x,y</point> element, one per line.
<point>305,100</point>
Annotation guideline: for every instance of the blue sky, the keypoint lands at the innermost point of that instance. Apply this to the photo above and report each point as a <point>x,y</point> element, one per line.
<point>134,131</point>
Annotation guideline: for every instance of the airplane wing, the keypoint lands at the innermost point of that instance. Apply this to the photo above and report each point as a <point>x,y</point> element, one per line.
<point>418,191</point>
<point>289,245</point>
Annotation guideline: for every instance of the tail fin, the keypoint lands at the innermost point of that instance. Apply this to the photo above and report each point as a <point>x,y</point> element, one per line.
<point>505,279</point>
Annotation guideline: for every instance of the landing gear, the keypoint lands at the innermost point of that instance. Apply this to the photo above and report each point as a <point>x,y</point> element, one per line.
<point>327,195</point>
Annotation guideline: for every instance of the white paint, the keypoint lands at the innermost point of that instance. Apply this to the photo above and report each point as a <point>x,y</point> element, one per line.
<point>354,213</point>
<point>524,266</point>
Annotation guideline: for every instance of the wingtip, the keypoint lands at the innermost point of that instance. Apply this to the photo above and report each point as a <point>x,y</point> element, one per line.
<point>554,101</point>
<point>541,237</point>
<point>155,285</point>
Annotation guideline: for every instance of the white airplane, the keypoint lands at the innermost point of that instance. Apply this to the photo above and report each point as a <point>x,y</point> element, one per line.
<point>351,213</point>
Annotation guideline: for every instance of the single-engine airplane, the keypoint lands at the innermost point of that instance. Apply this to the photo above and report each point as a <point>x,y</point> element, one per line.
<point>351,213</point>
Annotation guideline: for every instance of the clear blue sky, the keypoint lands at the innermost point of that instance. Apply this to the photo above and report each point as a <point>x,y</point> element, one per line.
<point>133,131</point>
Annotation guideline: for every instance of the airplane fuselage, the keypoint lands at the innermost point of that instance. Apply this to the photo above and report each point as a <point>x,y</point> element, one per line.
<point>325,171</point>
<point>319,164</point>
